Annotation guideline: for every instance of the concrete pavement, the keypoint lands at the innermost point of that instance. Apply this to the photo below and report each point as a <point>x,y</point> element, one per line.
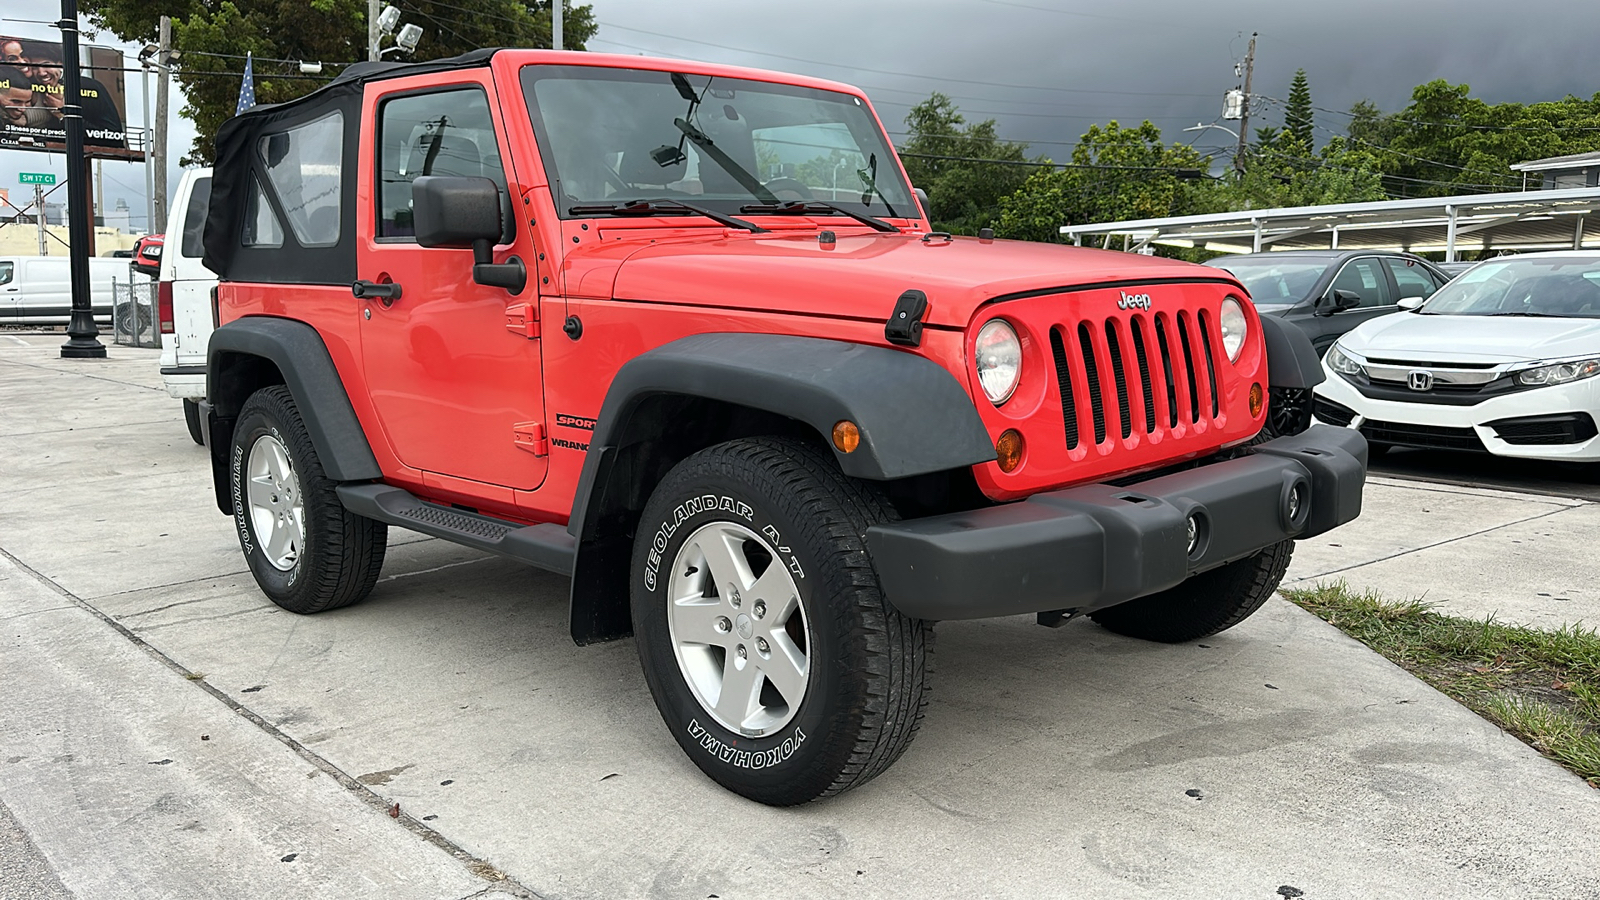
<point>1064,762</point>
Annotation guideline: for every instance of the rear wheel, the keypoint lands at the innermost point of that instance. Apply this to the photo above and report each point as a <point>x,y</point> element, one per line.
<point>307,552</point>
<point>191,418</point>
<point>1205,604</point>
<point>767,643</point>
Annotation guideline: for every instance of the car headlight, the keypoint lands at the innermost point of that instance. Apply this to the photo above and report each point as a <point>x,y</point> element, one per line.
<point>1342,364</point>
<point>998,353</point>
<point>1234,328</point>
<point>1559,373</point>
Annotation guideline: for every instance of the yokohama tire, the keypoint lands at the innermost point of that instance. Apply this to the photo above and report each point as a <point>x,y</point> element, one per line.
<point>332,559</point>
<point>1205,604</point>
<point>191,418</point>
<point>798,526</point>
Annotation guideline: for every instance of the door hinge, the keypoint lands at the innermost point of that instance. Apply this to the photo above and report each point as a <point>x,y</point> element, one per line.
<point>523,319</point>
<point>529,436</point>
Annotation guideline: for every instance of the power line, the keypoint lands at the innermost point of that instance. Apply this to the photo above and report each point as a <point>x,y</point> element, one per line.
<point>1179,171</point>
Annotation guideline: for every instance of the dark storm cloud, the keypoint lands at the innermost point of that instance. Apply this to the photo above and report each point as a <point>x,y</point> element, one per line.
<point>1166,61</point>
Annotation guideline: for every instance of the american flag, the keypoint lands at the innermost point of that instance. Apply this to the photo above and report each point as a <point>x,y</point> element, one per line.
<point>247,87</point>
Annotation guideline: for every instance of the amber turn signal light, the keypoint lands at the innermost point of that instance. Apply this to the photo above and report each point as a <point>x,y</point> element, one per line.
<point>846,436</point>
<point>1008,450</point>
<point>1257,396</point>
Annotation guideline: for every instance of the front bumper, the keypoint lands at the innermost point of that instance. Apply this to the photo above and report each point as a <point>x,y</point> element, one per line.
<point>1449,426</point>
<point>1093,546</point>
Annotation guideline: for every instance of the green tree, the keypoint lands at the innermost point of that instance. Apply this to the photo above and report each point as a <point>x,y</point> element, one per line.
<point>1116,173</point>
<point>1297,115</point>
<point>949,159</point>
<point>213,37</point>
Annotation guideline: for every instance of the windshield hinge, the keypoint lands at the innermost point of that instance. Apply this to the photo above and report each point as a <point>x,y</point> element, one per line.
<point>523,318</point>
<point>530,436</point>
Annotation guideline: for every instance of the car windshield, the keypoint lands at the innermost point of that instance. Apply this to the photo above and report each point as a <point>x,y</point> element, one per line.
<point>1560,286</point>
<point>1275,280</point>
<point>609,136</point>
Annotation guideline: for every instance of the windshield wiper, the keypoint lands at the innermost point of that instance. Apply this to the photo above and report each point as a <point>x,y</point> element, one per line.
<point>869,178</point>
<point>661,206</point>
<point>729,164</point>
<point>814,207</point>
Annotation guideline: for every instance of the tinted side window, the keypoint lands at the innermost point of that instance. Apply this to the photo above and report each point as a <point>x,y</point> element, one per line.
<point>444,133</point>
<point>1410,278</point>
<point>303,165</point>
<point>1365,279</point>
<point>194,219</point>
<point>6,271</point>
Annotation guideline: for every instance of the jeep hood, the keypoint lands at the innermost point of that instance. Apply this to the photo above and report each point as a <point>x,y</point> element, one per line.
<point>1491,339</point>
<point>861,275</point>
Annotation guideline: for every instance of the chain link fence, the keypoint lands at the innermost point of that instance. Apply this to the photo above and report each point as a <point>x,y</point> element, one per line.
<point>133,312</point>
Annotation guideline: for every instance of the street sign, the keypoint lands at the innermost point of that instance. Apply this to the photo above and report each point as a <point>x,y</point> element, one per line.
<point>45,178</point>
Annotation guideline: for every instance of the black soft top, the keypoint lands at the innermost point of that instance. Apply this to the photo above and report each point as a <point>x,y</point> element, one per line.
<point>240,169</point>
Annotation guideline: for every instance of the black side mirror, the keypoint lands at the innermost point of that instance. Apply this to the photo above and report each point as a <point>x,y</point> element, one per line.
<point>927,205</point>
<point>1337,301</point>
<point>454,211</point>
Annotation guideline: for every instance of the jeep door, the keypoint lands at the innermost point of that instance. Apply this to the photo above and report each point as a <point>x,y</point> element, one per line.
<point>457,392</point>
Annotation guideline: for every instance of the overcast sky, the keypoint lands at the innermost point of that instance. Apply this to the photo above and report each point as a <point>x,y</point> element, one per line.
<point>1047,69</point>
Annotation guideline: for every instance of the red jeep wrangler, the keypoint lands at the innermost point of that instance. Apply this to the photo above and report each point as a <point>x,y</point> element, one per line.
<point>681,332</point>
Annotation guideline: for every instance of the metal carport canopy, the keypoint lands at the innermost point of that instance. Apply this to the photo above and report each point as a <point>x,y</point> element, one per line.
<point>1522,220</point>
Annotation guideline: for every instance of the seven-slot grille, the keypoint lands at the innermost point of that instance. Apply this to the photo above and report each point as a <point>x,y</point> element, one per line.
<point>1145,372</point>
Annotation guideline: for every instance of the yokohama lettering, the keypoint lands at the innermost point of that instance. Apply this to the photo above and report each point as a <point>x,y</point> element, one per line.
<point>239,517</point>
<point>745,759</point>
<point>688,508</point>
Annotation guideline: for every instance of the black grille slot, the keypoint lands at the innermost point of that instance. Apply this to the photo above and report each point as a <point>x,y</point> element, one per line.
<point>1428,437</point>
<point>1571,428</point>
<point>1188,367</point>
<point>1144,376</point>
<point>1120,373</point>
<point>1069,409</point>
<point>1331,412</point>
<point>1165,350</point>
<point>1211,365</point>
<point>1096,402</point>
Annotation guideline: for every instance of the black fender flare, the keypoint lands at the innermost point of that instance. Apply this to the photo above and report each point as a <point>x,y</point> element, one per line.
<point>297,351</point>
<point>1292,361</point>
<point>914,416</point>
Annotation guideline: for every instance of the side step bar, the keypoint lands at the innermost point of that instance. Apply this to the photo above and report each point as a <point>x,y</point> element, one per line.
<point>547,546</point>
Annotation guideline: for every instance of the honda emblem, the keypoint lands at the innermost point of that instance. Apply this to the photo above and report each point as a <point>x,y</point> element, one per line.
<point>1420,380</point>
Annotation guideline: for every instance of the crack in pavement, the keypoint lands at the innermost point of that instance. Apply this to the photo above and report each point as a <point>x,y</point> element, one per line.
<point>478,866</point>
<point>1543,515</point>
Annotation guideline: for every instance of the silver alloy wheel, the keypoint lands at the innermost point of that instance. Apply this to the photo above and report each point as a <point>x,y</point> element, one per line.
<point>740,637</point>
<point>277,512</point>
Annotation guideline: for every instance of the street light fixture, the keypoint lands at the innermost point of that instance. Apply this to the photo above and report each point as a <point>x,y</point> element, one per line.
<point>1200,127</point>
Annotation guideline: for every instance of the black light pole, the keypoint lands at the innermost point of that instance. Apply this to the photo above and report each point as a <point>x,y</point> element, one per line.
<point>84,337</point>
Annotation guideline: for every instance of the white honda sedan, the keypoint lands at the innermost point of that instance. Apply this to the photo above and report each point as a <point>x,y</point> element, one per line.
<point>1502,359</point>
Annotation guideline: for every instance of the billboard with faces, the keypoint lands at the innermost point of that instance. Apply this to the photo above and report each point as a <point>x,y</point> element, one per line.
<point>33,93</point>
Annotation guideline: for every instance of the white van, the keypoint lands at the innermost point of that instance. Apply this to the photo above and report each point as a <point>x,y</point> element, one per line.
<point>37,290</point>
<point>183,297</point>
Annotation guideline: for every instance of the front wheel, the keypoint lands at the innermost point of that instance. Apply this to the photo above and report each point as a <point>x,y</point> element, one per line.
<point>767,643</point>
<point>307,552</point>
<point>1204,604</point>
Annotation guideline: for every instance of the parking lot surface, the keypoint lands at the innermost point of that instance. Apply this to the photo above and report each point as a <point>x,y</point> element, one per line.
<point>169,732</point>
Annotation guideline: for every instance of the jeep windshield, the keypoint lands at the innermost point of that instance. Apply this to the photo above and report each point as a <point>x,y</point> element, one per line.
<point>610,137</point>
<point>1538,286</point>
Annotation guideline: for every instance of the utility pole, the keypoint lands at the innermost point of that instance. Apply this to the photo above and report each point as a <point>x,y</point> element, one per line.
<point>1244,117</point>
<point>555,24</point>
<point>83,337</point>
<point>149,173</point>
<point>38,215</point>
<point>159,153</point>
<point>374,34</point>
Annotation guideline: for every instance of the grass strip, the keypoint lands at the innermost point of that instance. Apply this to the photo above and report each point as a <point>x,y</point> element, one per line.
<point>1541,686</point>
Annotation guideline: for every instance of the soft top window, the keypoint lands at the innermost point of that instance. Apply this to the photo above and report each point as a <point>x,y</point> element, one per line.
<point>302,164</point>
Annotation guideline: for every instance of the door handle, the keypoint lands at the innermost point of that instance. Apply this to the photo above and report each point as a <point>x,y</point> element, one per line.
<point>387,292</point>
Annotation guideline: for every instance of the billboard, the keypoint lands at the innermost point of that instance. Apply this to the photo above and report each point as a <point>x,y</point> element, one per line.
<point>32,94</point>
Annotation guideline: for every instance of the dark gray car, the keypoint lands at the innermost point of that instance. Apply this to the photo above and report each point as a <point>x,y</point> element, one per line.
<point>1329,292</point>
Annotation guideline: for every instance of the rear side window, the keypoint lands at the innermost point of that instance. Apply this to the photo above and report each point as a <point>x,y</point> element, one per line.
<point>194,219</point>
<point>303,167</point>
<point>7,270</point>
<point>1411,278</point>
<point>444,133</point>
<point>261,228</point>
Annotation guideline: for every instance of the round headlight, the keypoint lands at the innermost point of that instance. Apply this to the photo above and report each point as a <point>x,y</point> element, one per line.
<point>998,353</point>
<point>1234,328</point>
